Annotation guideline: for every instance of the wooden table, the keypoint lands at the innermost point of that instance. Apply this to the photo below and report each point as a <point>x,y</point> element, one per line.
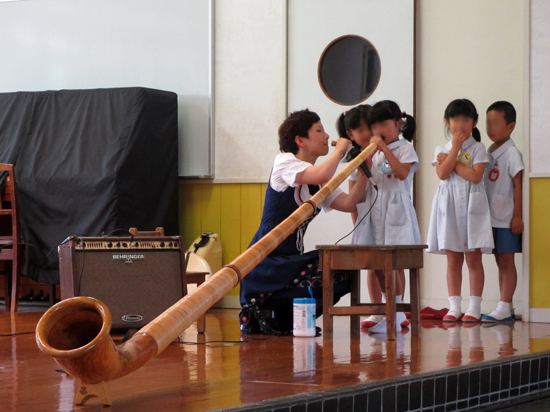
<point>387,258</point>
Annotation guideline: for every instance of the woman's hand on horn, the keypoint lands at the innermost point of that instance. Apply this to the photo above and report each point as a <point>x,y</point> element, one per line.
<point>343,145</point>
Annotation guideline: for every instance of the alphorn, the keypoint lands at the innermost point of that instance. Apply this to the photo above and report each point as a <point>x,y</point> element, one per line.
<point>76,331</point>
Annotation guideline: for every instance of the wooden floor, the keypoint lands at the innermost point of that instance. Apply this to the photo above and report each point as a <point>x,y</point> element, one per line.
<point>228,369</point>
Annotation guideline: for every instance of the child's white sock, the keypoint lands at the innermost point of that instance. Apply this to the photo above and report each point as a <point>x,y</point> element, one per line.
<point>505,308</point>
<point>474,310</point>
<point>503,312</point>
<point>454,310</point>
<point>381,327</point>
<point>400,317</point>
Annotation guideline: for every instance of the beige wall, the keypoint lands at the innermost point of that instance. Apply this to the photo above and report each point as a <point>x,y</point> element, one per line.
<point>465,49</point>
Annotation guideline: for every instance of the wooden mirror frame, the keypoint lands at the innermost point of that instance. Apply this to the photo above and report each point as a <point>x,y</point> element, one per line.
<point>322,58</point>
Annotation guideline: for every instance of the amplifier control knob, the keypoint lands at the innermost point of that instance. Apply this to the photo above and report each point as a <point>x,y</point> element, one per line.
<point>109,244</point>
<point>161,244</point>
<point>124,244</point>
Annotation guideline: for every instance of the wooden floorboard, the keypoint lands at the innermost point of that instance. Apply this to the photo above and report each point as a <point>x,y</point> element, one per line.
<point>224,368</point>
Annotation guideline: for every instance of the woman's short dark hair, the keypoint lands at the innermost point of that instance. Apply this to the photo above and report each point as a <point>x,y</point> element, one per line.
<point>296,124</point>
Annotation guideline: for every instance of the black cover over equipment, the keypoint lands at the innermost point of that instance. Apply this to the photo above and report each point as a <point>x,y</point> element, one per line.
<point>88,162</point>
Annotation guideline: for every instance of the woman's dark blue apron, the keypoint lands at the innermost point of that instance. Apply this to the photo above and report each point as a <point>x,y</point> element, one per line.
<point>287,272</point>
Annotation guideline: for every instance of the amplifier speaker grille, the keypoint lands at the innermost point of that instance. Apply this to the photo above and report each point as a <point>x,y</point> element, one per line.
<point>136,285</point>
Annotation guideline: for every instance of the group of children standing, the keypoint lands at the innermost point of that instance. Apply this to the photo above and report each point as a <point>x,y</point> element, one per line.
<point>476,209</point>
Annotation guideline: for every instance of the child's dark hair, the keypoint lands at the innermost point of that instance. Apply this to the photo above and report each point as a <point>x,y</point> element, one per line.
<point>389,110</point>
<point>349,121</point>
<point>296,124</point>
<point>506,108</point>
<point>463,107</point>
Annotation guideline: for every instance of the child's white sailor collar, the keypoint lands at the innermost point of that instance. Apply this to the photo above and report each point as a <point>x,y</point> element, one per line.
<point>398,143</point>
<point>470,141</point>
<point>497,153</point>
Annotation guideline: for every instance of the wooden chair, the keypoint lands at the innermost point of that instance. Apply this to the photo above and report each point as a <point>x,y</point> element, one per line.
<point>11,242</point>
<point>196,273</point>
<point>7,280</point>
<point>10,238</point>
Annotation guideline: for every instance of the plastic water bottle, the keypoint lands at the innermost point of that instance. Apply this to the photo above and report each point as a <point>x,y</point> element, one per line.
<point>304,317</point>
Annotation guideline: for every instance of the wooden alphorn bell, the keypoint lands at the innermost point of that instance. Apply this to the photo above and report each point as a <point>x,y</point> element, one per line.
<point>75,332</point>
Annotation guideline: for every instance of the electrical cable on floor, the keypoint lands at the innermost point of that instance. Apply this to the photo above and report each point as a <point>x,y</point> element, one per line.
<point>222,342</point>
<point>15,334</point>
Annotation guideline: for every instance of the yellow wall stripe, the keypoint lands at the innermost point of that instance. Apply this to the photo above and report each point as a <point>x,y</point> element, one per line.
<point>234,212</point>
<point>539,258</point>
<point>231,210</point>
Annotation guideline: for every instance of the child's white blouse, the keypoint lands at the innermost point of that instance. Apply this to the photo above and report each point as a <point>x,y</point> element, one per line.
<point>504,164</point>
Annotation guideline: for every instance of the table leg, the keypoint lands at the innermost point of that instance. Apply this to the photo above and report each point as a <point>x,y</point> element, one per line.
<point>390,298</point>
<point>328,294</point>
<point>355,299</point>
<point>415,301</point>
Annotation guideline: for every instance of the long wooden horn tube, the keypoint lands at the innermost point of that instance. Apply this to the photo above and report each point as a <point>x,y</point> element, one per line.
<point>76,331</point>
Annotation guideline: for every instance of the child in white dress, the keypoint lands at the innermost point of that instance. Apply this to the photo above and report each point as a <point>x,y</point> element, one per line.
<point>392,220</point>
<point>352,124</point>
<point>460,222</point>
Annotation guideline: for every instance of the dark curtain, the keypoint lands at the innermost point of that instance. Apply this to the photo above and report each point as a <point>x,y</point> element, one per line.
<point>88,162</point>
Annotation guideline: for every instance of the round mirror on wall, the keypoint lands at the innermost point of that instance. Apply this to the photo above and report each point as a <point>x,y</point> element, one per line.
<point>349,70</point>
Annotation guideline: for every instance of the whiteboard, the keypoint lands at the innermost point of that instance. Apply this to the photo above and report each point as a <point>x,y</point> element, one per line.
<point>88,44</point>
